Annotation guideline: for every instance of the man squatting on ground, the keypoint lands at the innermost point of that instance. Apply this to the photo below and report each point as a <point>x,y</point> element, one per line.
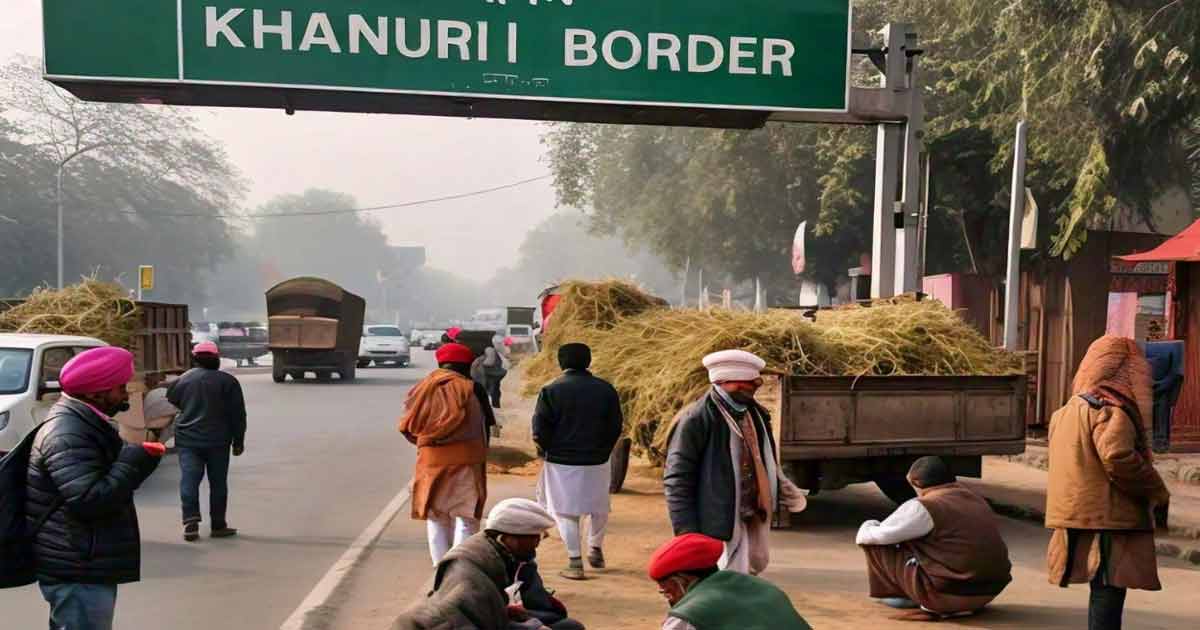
<point>474,584</point>
<point>448,417</point>
<point>576,424</point>
<point>210,424</point>
<point>703,597</point>
<point>941,551</point>
<point>81,482</point>
<point>721,478</point>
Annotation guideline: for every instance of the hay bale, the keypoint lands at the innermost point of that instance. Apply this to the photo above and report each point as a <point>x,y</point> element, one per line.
<point>90,308</point>
<point>652,354</point>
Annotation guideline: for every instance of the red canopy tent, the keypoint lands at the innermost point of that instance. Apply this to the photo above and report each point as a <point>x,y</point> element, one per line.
<point>1183,247</point>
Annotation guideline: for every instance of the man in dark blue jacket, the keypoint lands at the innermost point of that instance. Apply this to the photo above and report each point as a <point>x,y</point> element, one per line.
<point>576,424</point>
<point>80,489</point>
<point>211,422</point>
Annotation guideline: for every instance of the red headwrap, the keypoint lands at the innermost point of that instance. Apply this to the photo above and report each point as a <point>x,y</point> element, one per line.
<point>206,347</point>
<point>455,353</point>
<point>452,333</point>
<point>689,552</point>
<point>96,370</point>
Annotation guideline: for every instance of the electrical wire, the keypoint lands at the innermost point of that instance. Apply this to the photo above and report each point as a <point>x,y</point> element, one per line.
<point>319,213</point>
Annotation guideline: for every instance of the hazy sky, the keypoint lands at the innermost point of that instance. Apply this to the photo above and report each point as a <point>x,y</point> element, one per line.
<point>380,160</point>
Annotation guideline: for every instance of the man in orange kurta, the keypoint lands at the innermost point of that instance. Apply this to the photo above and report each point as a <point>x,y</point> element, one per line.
<point>448,420</point>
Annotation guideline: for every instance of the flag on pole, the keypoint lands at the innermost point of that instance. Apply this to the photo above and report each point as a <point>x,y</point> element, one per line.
<point>798,261</point>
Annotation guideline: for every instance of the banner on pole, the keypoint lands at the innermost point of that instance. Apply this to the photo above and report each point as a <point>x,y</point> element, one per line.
<point>798,260</point>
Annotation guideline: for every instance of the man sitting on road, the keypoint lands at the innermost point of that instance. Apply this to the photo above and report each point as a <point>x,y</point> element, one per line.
<point>82,478</point>
<point>210,424</point>
<point>941,551</point>
<point>576,424</point>
<point>702,597</point>
<point>471,586</point>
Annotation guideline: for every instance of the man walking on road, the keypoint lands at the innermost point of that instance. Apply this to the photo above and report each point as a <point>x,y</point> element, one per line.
<point>211,423</point>
<point>576,424</point>
<point>447,416</point>
<point>81,483</point>
<point>941,551</point>
<point>721,478</point>
<point>702,597</point>
<point>1103,487</point>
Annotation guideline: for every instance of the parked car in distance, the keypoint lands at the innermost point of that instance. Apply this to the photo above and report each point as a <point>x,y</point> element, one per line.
<point>383,344</point>
<point>427,339</point>
<point>204,331</point>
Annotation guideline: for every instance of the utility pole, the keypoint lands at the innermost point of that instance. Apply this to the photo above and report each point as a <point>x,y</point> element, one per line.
<point>59,199</point>
<point>907,227</point>
<point>887,160</point>
<point>1012,287</point>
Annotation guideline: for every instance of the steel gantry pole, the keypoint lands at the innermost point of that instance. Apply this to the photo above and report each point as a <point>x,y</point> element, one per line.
<point>887,162</point>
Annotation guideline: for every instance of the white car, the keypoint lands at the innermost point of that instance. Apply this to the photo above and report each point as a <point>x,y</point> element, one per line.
<point>29,367</point>
<point>383,344</point>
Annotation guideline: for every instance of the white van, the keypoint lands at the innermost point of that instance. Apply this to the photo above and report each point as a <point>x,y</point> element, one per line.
<point>29,367</point>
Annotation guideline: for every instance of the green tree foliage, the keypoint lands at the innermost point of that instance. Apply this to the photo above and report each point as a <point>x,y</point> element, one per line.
<point>1109,88</point>
<point>129,172</point>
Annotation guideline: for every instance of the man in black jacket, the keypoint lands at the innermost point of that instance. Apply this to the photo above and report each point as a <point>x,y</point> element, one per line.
<point>81,483</point>
<point>576,424</point>
<point>721,477</point>
<point>211,422</point>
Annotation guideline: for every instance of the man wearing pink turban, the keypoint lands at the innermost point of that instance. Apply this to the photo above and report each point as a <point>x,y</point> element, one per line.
<point>80,489</point>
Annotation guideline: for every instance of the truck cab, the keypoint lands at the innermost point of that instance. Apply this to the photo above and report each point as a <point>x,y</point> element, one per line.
<point>29,368</point>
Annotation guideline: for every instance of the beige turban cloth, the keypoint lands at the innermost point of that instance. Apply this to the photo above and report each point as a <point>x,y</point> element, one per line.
<point>733,365</point>
<point>519,517</point>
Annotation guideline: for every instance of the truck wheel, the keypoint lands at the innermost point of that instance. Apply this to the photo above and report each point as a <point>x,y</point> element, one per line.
<point>278,375</point>
<point>363,364</point>
<point>348,373</point>
<point>620,465</point>
<point>324,375</point>
<point>896,488</point>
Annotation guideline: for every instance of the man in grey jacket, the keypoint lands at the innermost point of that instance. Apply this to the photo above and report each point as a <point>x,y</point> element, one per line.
<point>470,588</point>
<point>721,478</point>
<point>211,423</point>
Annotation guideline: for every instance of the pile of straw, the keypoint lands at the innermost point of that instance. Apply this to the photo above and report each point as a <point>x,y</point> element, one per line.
<point>90,308</point>
<point>652,354</point>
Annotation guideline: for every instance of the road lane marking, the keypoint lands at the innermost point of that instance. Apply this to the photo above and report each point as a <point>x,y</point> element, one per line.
<point>319,597</point>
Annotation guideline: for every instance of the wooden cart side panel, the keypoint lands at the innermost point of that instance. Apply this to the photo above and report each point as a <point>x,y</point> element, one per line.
<point>839,412</point>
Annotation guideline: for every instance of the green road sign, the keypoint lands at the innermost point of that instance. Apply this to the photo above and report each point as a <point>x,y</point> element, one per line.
<point>748,55</point>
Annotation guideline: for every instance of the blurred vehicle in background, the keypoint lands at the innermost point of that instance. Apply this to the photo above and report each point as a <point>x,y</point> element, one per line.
<point>203,331</point>
<point>426,339</point>
<point>521,338</point>
<point>242,342</point>
<point>315,327</point>
<point>383,344</point>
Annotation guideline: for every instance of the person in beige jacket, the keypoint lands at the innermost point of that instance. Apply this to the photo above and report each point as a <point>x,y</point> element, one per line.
<point>1102,484</point>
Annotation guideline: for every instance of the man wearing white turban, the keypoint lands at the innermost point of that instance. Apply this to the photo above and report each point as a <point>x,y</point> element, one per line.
<point>721,478</point>
<point>474,584</point>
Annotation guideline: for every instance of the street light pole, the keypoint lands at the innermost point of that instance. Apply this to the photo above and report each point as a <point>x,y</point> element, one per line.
<point>59,199</point>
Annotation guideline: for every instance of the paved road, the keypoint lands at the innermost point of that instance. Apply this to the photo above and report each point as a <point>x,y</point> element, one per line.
<point>321,461</point>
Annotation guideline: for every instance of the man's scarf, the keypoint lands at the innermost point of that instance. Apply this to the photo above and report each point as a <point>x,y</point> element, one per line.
<point>436,407</point>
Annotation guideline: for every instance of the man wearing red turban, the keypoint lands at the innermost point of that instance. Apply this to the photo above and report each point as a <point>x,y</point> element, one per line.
<point>448,418</point>
<point>702,597</point>
<point>80,488</point>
